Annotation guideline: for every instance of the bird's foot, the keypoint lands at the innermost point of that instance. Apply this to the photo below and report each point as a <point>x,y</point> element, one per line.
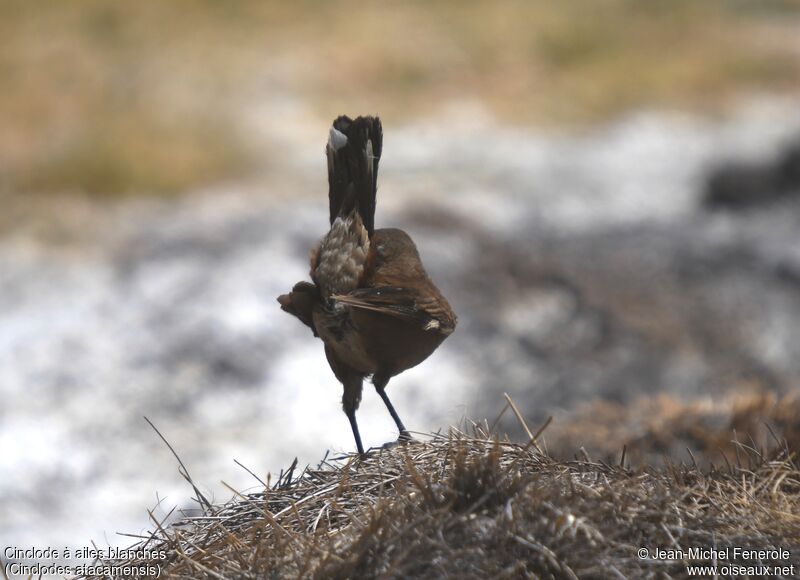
<point>404,438</point>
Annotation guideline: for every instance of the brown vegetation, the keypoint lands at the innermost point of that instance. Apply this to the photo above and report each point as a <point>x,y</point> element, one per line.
<point>466,504</point>
<point>111,98</point>
<point>659,428</point>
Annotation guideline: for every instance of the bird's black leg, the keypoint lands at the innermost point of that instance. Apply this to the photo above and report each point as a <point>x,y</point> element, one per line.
<point>351,414</point>
<point>351,397</point>
<point>350,401</point>
<point>380,386</point>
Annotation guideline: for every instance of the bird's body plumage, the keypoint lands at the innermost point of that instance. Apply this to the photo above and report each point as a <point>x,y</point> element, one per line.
<point>371,302</point>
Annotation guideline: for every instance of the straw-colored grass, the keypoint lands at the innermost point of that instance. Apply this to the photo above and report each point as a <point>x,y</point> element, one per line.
<point>113,98</point>
<point>468,505</point>
<point>658,428</point>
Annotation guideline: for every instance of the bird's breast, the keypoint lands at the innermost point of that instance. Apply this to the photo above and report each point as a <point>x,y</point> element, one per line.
<point>338,330</point>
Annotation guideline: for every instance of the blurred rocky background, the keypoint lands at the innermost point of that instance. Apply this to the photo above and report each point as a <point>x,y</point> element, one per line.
<point>608,192</point>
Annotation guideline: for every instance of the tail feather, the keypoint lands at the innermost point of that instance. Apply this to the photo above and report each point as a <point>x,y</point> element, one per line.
<point>354,151</point>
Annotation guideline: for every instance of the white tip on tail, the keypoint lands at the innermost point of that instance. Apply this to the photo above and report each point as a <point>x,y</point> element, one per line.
<point>337,139</point>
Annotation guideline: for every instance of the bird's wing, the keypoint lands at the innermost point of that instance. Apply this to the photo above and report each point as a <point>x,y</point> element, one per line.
<point>402,303</point>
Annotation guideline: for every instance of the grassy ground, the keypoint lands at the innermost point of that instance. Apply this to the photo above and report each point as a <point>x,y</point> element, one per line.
<point>465,505</point>
<point>658,429</point>
<point>147,97</point>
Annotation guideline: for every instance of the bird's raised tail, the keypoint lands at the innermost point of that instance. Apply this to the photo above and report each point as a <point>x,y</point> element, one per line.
<point>354,150</point>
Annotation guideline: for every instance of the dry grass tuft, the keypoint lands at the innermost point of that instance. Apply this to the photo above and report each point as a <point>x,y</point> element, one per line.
<point>654,428</point>
<point>469,505</point>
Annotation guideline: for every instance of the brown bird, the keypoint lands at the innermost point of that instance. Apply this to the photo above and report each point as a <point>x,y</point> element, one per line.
<point>371,301</point>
